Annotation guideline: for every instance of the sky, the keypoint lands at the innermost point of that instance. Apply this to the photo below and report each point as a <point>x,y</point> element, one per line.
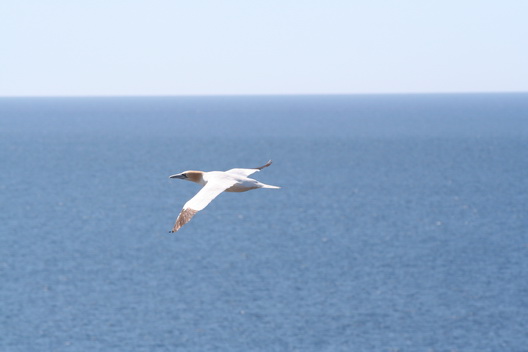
<point>228,47</point>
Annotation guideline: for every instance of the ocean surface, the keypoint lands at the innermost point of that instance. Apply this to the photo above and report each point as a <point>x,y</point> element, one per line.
<point>401,224</point>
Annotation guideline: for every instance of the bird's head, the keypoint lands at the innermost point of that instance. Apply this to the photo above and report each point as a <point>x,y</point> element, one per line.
<point>194,176</point>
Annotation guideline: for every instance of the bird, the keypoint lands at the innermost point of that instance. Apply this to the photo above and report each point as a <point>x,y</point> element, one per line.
<point>213,183</point>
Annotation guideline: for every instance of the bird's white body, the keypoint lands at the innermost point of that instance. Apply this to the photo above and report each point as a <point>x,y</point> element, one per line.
<point>214,183</point>
<point>240,182</point>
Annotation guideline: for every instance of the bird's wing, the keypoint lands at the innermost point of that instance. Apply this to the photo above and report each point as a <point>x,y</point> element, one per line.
<point>247,172</point>
<point>201,199</point>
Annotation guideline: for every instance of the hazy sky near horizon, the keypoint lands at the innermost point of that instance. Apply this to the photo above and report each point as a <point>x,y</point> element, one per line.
<point>172,47</point>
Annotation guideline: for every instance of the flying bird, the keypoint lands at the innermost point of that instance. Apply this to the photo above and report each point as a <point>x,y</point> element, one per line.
<point>213,183</point>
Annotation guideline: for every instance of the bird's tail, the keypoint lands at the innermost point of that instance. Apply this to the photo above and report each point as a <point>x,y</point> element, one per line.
<point>269,186</point>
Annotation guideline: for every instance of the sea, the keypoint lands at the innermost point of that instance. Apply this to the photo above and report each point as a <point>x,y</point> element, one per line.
<point>401,224</point>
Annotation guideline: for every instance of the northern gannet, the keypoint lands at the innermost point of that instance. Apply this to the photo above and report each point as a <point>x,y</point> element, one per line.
<point>214,183</point>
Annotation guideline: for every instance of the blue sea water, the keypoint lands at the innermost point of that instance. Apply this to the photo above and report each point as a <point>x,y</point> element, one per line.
<point>401,224</point>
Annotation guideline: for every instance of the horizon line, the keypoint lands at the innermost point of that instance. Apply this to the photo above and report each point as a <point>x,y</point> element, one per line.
<point>255,94</point>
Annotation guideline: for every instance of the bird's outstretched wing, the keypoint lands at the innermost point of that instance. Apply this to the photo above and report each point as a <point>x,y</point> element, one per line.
<point>201,199</point>
<point>247,172</point>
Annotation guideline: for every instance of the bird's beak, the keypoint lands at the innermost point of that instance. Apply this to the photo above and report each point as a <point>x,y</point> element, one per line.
<point>180,176</point>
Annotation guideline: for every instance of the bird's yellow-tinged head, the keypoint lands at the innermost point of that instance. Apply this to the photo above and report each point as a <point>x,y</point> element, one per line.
<point>191,175</point>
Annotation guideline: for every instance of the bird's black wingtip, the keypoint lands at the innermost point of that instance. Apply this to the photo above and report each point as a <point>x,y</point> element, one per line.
<point>263,166</point>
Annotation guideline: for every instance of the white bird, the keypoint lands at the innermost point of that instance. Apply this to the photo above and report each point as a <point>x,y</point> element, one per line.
<point>214,183</point>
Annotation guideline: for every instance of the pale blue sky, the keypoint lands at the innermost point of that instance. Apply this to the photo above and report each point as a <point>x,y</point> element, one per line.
<point>171,47</point>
